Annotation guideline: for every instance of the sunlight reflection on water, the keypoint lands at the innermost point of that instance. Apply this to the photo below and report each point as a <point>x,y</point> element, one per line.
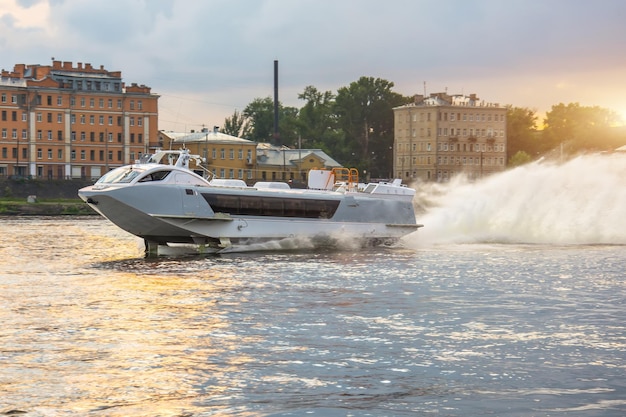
<point>93,328</point>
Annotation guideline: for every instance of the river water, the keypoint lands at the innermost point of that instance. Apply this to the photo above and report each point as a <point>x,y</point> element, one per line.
<point>511,301</point>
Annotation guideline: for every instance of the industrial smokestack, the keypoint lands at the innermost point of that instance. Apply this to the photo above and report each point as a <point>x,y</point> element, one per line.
<point>276,134</point>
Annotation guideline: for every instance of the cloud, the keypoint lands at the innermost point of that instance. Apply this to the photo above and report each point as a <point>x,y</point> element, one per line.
<point>207,58</point>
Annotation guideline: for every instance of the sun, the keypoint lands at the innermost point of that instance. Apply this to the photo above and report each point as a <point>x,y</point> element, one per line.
<point>621,114</point>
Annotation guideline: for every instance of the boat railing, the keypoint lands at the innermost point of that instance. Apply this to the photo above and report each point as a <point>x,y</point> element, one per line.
<point>347,176</point>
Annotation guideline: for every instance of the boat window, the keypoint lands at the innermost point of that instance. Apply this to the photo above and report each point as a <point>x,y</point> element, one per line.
<point>272,206</point>
<point>120,175</point>
<point>370,188</point>
<point>155,176</point>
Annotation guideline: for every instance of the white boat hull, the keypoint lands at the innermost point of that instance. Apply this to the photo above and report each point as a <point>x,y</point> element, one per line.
<point>177,208</point>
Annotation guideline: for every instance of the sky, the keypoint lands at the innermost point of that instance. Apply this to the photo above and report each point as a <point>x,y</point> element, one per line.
<point>206,59</point>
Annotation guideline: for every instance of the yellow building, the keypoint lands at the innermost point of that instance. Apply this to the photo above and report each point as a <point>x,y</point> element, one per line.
<point>280,163</point>
<point>66,121</point>
<point>227,156</point>
<point>232,157</point>
<point>439,136</point>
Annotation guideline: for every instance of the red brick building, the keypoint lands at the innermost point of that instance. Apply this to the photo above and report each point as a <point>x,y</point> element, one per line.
<point>66,121</point>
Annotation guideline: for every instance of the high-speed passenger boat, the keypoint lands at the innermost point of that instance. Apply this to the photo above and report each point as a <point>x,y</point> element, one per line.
<point>169,204</point>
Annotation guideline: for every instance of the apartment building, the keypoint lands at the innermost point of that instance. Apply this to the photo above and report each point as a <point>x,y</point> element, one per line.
<point>439,136</point>
<point>65,121</point>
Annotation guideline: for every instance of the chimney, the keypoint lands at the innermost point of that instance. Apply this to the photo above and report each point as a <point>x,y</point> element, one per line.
<point>276,130</point>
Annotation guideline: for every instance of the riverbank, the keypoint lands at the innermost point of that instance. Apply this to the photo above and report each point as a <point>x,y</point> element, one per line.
<point>46,207</point>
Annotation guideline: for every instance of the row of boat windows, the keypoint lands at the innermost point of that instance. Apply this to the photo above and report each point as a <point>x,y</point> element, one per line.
<point>271,206</point>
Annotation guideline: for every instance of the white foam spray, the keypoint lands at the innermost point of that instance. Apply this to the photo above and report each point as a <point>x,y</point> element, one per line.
<point>581,201</point>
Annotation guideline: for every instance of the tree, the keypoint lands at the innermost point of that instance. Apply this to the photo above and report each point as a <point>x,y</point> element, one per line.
<point>237,125</point>
<point>521,131</point>
<point>261,115</point>
<point>577,128</point>
<point>317,122</point>
<point>520,158</point>
<point>364,112</point>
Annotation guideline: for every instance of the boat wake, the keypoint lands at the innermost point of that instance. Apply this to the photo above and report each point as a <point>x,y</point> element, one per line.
<point>581,201</point>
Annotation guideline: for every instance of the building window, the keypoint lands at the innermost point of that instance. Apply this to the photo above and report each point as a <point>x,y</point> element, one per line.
<point>73,154</point>
<point>132,121</point>
<point>82,102</point>
<point>14,134</point>
<point>83,136</point>
<point>140,121</point>
<point>101,120</point>
<point>101,103</point>
<point>49,134</point>
<point>49,153</point>
<point>59,117</point>
<point>82,155</point>
<point>231,154</point>
<point>24,117</point>
<point>24,134</point>
<point>60,154</point>
<point>110,102</point>
<point>59,100</point>
<point>92,102</point>
<point>222,156</point>
<point>139,105</point>
<point>132,104</point>
<point>82,119</point>
<point>110,120</point>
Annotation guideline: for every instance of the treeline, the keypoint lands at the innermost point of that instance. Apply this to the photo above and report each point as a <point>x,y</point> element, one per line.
<point>355,126</point>
<point>567,129</point>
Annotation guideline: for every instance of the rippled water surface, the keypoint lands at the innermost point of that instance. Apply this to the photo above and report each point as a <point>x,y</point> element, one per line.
<point>92,328</point>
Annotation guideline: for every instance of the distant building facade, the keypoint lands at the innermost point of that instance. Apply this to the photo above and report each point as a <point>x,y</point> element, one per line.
<point>280,163</point>
<point>226,156</point>
<point>438,136</point>
<point>66,121</point>
<point>232,157</point>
